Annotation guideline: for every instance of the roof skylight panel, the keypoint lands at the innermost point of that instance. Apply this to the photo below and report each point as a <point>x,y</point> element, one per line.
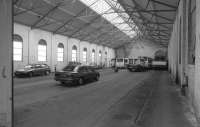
<point>112,15</point>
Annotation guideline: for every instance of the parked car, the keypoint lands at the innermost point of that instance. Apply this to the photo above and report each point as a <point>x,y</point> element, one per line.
<point>33,69</point>
<point>147,62</point>
<point>76,74</point>
<point>95,66</point>
<point>136,65</point>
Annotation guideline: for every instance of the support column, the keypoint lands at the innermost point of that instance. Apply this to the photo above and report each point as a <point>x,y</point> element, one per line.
<point>184,44</point>
<point>6,63</point>
<point>197,61</point>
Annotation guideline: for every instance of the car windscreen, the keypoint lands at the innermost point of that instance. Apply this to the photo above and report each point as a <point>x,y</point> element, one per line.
<point>119,60</point>
<point>90,68</point>
<point>125,60</point>
<point>69,68</point>
<point>131,61</point>
<point>44,65</point>
<point>28,66</point>
<point>136,61</point>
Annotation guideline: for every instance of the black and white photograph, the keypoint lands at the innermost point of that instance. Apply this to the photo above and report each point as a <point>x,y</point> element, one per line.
<point>99,63</point>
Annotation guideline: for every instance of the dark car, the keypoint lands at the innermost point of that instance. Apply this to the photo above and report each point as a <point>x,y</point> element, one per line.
<point>33,69</point>
<point>136,65</point>
<point>76,74</point>
<point>148,62</point>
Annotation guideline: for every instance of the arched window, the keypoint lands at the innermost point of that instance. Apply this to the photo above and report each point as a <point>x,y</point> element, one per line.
<point>93,56</point>
<point>100,53</point>
<point>106,55</point>
<point>85,55</point>
<point>60,52</point>
<point>17,47</point>
<point>74,53</point>
<point>100,56</point>
<point>42,50</point>
<point>106,59</point>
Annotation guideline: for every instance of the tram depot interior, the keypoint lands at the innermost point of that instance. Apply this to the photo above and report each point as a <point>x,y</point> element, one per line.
<point>100,63</point>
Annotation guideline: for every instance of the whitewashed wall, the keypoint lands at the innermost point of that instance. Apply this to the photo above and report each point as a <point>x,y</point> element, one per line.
<point>139,48</point>
<point>31,38</point>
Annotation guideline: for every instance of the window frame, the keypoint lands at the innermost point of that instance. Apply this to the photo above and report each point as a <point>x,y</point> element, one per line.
<point>60,46</point>
<point>84,55</point>
<point>42,42</point>
<point>100,53</point>
<point>19,39</point>
<point>74,48</point>
<point>93,56</point>
<point>100,57</point>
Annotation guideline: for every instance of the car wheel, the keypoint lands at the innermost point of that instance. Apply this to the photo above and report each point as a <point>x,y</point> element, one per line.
<point>97,78</point>
<point>47,72</point>
<point>131,70</point>
<point>62,82</point>
<point>80,81</point>
<point>43,73</point>
<point>31,74</point>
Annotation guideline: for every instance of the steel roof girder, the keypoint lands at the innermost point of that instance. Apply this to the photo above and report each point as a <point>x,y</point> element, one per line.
<point>45,15</point>
<point>73,17</point>
<point>165,4</point>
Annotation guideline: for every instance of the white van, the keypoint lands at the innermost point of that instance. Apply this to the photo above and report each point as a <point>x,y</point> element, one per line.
<point>119,62</point>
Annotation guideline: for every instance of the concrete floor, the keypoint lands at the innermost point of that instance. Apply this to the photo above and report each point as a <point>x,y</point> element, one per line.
<point>123,99</point>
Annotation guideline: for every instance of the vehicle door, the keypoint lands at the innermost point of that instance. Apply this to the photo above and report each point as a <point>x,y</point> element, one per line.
<point>43,68</point>
<point>125,62</point>
<point>130,62</point>
<point>91,72</point>
<point>83,72</point>
<point>38,69</point>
